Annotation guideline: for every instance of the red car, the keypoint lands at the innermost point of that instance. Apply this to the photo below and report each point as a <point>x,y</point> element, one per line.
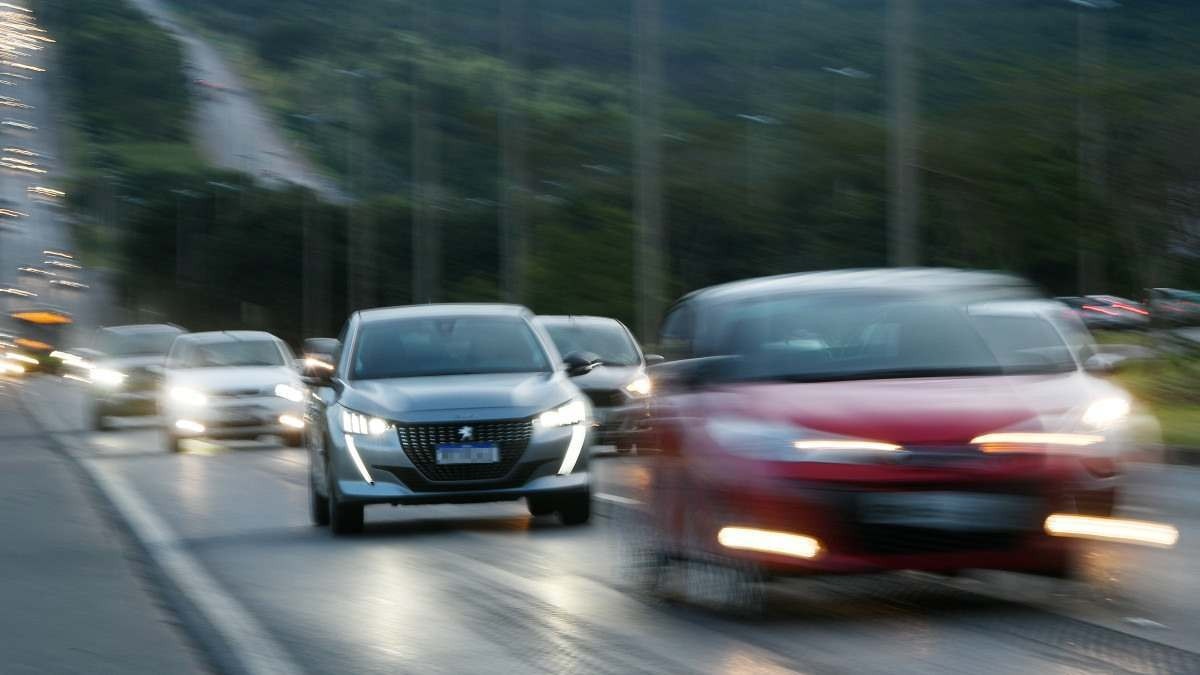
<point>863,421</point>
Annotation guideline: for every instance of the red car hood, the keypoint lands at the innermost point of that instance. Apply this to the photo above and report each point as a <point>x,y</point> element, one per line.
<point>911,411</point>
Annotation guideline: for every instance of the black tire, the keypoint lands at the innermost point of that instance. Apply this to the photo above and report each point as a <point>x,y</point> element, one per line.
<point>318,505</point>
<point>293,439</point>
<point>540,506</point>
<point>1098,503</point>
<point>575,509</point>
<point>343,518</point>
<point>100,418</point>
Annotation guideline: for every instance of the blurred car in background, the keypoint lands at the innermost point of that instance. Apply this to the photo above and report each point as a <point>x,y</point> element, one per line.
<point>1174,307</point>
<point>616,382</point>
<point>231,384</point>
<point>1108,312</point>
<point>124,366</point>
<point>446,404</point>
<point>863,421</point>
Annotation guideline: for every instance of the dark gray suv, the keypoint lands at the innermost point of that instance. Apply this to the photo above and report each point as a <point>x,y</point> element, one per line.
<point>445,404</point>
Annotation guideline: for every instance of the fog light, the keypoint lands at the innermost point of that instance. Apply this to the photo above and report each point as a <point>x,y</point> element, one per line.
<point>766,541</point>
<point>1144,532</point>
<point>291,421</point>
<point>189,426</point>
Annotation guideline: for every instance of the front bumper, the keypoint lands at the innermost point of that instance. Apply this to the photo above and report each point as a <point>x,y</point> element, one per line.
<point>233,418</point>
<point>127,403</point>
<point>621,426</point>
<point>397,479</point>
<point>854,539</point>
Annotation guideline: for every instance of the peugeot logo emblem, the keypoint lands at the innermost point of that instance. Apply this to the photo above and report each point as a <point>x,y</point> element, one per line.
<point>466,433</point>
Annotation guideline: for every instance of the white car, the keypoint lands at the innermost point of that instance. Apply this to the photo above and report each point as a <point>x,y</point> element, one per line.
<point>232,384</point>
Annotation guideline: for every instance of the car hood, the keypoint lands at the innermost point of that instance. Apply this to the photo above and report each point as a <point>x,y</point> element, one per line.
<point>944,410</point>
<point>233,378</point>
<point>494,396</point>
<point>607,377</point>
<point>138,362</point>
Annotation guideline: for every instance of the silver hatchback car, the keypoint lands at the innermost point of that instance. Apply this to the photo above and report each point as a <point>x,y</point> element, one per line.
<point>445,404</point>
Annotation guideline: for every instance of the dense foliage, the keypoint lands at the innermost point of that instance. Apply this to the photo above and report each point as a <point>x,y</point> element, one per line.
<point>771,162</point>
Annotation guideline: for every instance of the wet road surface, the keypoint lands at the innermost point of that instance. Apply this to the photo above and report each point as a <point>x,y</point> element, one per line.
<point>487,588</point>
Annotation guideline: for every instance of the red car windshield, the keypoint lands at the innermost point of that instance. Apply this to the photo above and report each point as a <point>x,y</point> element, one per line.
<point>841,336</point>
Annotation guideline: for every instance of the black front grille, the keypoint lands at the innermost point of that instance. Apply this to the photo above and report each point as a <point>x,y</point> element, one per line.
<point>605,398</point>
<point>420,443</point>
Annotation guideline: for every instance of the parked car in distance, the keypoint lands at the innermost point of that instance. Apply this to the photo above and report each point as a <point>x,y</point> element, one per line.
<point>1108,312</point>
<point>1173,306</point>
<point>617,384</point>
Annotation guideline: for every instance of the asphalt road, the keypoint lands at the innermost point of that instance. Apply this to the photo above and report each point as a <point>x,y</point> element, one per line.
<point>487,588</point>
<point>232,128</point>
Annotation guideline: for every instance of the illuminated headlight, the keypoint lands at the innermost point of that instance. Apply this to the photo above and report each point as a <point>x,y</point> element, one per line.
<point>186,396</point>
<point>1105,413</point>
<point>790,443</point>
<point>358,423</point>
<point>289,392</point>
<point>107,377</point>
<point>13,356</point>
<point>572,412</point>
<point>640,387</point>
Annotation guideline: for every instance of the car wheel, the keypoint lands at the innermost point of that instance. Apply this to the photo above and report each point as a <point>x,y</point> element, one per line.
<point>100,418</point>
<point>575,509</point>
<point>539,506</point>
<point>1097,503</point>
<point>640,553</point>
<point>717,582</point>
<point>343,518</point>
<point>174,443</point>
<point>318,505</point>
<point>293,439</point>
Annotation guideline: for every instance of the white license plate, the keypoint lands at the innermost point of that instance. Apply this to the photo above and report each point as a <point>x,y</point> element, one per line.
<point>468,453</point>
<point>960,511</point>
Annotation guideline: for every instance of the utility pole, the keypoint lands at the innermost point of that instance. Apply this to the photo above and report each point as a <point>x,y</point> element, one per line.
<point>648,160</point>
<point>903,183</point>
<point>426,244</point>
<point>514,179</point>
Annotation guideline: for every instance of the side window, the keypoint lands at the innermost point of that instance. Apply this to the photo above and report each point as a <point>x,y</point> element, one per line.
<point>343,348</point>
<point>675,340</point>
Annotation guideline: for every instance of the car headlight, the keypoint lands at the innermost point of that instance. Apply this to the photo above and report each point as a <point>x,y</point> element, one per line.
<point>107,377</point>
<point>1106,413</point>
<point>289,392</point>
<point>358,423</point>
<point>571,412</point>
<point>640,387</point>
<point>791,443</point>
<point>187,396</point>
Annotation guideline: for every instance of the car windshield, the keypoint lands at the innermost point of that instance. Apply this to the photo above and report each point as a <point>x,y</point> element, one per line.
<point>606,339</point>
<point>135,344</point>
<point>841,336</point>
<point>226,353</point>
<point>446,345</point>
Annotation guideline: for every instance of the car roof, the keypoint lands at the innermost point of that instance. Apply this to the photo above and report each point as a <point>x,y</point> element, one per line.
<point>561,319</point>
<point>143,328</point>
<point>443,309</point>
<point>229,336</point>
<point>914,279</point>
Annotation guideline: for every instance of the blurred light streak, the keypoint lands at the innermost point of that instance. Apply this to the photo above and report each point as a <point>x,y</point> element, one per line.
<point>1008,442</point>
<point>189,426</point>
<point>834,444</point>
<point>1143,532</point>
<point>291,421</point>
<point>767,541</point>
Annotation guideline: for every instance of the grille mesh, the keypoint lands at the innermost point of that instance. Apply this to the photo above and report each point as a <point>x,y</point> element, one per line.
<point>420,443</point>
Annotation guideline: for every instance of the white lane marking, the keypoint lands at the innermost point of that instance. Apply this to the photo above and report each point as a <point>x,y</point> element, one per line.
<point>253,647</point>
<point>615,499</point>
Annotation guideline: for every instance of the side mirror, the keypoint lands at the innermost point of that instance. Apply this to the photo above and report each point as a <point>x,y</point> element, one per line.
<point>319,357</point>
<point>580,363</point>
<point>652,359</point>
<point>1105,363</point>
